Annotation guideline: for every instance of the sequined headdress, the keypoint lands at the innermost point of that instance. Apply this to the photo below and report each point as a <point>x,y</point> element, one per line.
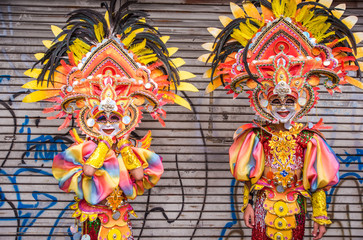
<point>283,48</point>
<point>114,65</point>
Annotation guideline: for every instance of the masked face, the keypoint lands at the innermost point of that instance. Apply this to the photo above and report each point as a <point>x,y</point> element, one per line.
<point>109,125</point>
<point>283,110</point>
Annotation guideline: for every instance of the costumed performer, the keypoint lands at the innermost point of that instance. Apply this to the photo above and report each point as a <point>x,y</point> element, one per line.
<point>105,71</point>
<point>279,55</point>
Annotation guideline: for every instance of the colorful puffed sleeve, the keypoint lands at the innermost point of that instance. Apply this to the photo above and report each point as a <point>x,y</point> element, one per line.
<point>153,169</point>
<point>246,157</point>
<point>321,165</point>
<point>68,170</point>
<point>320,172</point>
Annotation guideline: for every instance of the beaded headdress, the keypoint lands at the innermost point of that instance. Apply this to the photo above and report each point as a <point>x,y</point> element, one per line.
<point>283,48</point>
<point>107,67</point>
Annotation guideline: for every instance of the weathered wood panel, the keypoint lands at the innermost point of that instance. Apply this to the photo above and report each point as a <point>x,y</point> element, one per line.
<point>196,198</point>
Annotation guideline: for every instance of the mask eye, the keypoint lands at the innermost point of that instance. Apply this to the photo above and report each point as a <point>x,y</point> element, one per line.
<point>276,102</point>
<point>101,119</point>
<point>290,101</point>
<point>115,118</point>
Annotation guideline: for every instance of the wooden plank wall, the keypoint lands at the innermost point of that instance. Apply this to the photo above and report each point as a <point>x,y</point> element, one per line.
<point>196,198</point>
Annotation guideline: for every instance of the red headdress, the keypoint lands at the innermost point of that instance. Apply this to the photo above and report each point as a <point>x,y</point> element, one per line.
<point>287,49</point>
<point>113,64</point>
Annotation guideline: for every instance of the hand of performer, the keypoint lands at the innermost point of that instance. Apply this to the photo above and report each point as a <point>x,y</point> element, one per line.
<point>249,216</point>
<point>89,170</point>
<point>138,172</point>
<point>321,229</point>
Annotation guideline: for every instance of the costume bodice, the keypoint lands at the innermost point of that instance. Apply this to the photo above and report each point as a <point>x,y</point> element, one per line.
<point>284,153</point>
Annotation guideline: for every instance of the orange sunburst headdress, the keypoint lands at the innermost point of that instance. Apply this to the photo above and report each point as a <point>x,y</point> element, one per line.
<point>115,64</point>
<point>286,48</point>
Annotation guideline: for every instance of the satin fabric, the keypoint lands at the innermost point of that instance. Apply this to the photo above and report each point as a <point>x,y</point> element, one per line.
<point>67,169</point>
<point>321,165</point>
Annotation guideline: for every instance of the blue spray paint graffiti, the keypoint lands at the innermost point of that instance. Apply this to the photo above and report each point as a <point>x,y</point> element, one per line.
<point>26,214</point>
<point>350,159</point>
<point>6,24</point>
<point>4,77</point>
<point>233,211</point>
<point>25,211</point>
<point>357,158</point>
<point>43,150</point>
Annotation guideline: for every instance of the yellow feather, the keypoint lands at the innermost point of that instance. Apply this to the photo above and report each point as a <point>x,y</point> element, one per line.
<point>212,86</point>
<point>172,50</point>
<point>48,43</point>
<point>182,102</point>
<point>208,73</point>
<point>56,30</point>
<point>107,18</point>
<point>359,53</point>
<point>214,31</point>
<point>290,8</point>
<point>178,62</point>
<point>326,3</point>
<point>99,31</point>
<point>33,73</point>
<point>138,47</point>
<point>145,51</point>
<point>237,11</point>
<point>354,82</point>
<point>183,75</point>
<point>224,20</point>
<point>208,46</point>
<point>148,60</point>
<point>238,35</point>
<point>165,38</point>
<point>184,86</point>
<point>339,13</point>
<point>358,37</point>
<point>39,56</point>
<point>251,11</point>
<point>278,8</point>
<point>360,65</point>
<point>42,86</point>
<point>350,21</point>
<point>146,56</point>
<point>127,41</point>
<point>204,57</point>
<point>40,95</point>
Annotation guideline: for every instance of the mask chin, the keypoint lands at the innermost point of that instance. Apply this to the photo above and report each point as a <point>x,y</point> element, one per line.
<point>283,115</point>
<point>110,130</point>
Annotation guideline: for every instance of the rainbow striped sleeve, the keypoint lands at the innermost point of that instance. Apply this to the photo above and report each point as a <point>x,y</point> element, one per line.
<point>321,165</point>
<point>246,157</point>
<point>67,169</point>
<point>153,169</point>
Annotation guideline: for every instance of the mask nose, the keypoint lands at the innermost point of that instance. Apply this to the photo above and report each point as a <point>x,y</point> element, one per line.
<point>283,107</point>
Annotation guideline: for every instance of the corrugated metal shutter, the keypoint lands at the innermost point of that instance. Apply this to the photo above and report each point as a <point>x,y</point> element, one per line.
<point>196,198</point>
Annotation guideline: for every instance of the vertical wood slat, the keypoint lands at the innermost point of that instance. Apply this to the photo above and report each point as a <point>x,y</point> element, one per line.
<point>196,193</point>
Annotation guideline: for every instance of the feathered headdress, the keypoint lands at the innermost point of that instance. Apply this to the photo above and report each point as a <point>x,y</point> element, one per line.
<point>116,63</point>
<point>288,47</point>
